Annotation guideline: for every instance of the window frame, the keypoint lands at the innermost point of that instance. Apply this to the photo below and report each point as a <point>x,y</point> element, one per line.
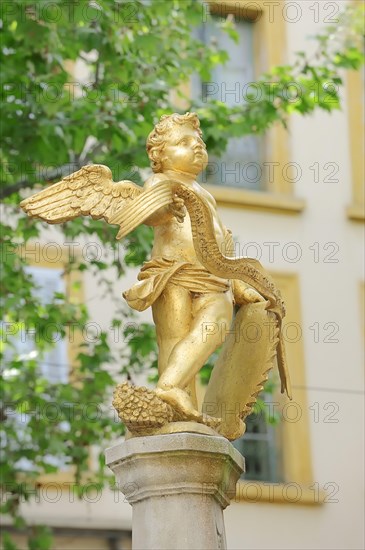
<point>294,436</point>
<point>34,253</point>
<point>273,439</point>
<point>269,50</point>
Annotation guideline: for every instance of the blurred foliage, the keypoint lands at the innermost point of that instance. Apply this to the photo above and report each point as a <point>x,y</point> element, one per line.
<point>132,55</point>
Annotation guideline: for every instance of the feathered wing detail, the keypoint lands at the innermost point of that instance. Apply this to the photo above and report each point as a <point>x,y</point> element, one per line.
<point>88,192</point>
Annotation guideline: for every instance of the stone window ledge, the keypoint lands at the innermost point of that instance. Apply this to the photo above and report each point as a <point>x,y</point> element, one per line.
<point>256,200</point>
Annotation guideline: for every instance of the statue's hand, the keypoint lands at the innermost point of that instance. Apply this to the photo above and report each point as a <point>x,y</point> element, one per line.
<point>252,296</point>
<point>177,208</point>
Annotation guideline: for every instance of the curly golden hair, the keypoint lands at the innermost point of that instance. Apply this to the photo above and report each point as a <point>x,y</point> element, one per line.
<point>157,138</point>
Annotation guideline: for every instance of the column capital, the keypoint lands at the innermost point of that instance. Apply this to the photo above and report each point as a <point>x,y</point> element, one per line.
<point>178,485</point>
<point>174,464</point>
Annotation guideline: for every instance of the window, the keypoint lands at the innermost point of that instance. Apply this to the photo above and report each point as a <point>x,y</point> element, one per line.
<point>240,166</point>
<point>260,446</point>
<point>54,363</point>
<point>264,47</point>
<point>282,453</point>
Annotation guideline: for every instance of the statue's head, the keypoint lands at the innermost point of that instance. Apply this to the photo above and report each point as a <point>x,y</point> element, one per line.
<point>176,143</point>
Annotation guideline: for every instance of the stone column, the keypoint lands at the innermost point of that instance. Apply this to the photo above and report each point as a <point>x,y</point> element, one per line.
<point>178,485</point>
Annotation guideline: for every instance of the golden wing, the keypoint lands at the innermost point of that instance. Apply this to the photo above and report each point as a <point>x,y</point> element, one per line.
<point>87,192</point>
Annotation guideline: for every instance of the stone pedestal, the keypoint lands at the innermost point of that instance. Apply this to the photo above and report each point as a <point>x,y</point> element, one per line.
<point>178,485</point>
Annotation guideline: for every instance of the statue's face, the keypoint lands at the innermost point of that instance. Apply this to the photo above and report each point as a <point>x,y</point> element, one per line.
<point>184,151</point>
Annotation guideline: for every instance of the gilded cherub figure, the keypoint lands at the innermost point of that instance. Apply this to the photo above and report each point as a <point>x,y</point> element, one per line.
<point>191,280</point>
<point>184,295</point>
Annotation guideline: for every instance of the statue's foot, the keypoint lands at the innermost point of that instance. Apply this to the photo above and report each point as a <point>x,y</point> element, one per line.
<point>145,411</point>
<point>181,403</point>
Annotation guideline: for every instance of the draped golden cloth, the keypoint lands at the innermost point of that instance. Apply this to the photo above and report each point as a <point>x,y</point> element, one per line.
<point>158,272</point>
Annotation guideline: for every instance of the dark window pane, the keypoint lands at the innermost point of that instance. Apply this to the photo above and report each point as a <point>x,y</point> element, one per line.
<point>241,163</point>
<point>260,447</point>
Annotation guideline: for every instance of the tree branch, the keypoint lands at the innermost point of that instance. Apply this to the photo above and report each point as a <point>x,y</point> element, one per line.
<point>57,173</point>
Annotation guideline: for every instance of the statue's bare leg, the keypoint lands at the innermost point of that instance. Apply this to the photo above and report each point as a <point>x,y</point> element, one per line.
<point>211,318</point>
<point>172,314</point>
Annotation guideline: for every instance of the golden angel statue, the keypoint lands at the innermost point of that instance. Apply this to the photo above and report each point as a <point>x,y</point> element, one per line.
<point>193,283</point>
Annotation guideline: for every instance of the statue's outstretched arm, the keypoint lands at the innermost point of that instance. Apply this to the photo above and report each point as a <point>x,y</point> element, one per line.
<point>243,293</point>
